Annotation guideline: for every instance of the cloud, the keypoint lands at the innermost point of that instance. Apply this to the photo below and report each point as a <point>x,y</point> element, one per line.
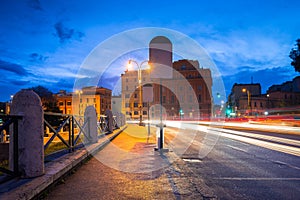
<point>35,4</point>
<point>250,47</point>
<point>14,68</point>
<point>64,33</point>
<point>19,83</point>
<point>35,57</point>
<point>109,82</point>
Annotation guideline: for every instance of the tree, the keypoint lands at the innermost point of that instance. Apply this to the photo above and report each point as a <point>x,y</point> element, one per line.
<point>295,56</point>
<point>48,99</point>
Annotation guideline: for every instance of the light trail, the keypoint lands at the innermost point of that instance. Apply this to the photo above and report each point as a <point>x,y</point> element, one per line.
<point>269,145</point>
<point>264,137</point>
<point>270,142</point>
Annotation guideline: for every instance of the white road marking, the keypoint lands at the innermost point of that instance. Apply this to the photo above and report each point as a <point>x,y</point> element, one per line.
<point>258,179</point>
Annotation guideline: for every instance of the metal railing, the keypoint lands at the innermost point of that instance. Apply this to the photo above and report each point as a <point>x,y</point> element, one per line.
<point>11,122</point>
<point>69,131</point>
<point>75,130</point>
<point>57,123</point>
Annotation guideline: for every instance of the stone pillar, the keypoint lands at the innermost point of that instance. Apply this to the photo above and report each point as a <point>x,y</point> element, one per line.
<point>30,134</point>
<point>91,127</point>
<point>109,119</point>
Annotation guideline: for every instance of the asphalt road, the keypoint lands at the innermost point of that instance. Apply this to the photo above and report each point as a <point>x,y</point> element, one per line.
<point>242,164</point>
<point>213,163</point>
<point>129,168</point>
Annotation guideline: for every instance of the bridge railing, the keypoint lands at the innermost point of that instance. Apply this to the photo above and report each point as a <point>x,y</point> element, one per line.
<point>71,131</point>
<point>28,126</point>
<point>9,123</point>
<point>64,129</point>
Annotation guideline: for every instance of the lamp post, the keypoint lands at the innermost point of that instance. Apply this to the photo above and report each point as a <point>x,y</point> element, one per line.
<point>139,85</point>
<point>249,99</point>
<point>268,101</point>
<point>79,92</point>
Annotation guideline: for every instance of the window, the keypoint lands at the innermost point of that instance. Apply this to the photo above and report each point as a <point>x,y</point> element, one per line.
<point>183,67</point>
<point>199,87</point>
<point>87,100</point>
<point>94,100</point>
<point>69,103</point>
<point>261,104</point>
<point>127,95</point>
<point>61,103</point>
<point>144,112</point>
<point>126,105</point>
<point>172,99</point>
<point>145,104</point>
<point>255,104</point>
<point>136,105</point>
<point>199,98</point>
<point>135,95</point>
<point>181,99</point>
<point>136,112</point>
<point>164,99</point>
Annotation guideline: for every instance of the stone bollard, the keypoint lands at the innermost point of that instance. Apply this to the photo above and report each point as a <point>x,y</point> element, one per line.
<point>109,119</point>
<point>91,127</point>
<point>30,134</point>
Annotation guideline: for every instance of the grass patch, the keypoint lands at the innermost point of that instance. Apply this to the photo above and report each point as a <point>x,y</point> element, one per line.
<point>58,146</point>
<point>4,164</point>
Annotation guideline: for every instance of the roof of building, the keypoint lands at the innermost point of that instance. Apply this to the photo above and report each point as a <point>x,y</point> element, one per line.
<point>160,39</point>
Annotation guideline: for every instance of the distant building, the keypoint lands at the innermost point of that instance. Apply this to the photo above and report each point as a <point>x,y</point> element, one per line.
<point>64,102</point>
<point>289,86</point>
<point>246,99</point>
<point>286,95</point>
<point>5,107</point>
<point>116,104</point>
<point>182,87</point>
<point>188,93</point>
<point>76,102</point>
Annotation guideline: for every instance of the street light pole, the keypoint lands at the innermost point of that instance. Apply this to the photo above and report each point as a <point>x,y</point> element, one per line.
<point>79,92</point>
<point>140,87</point>
<point>249,99</point>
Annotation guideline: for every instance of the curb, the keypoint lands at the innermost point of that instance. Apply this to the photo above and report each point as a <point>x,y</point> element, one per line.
<point>31,188</point>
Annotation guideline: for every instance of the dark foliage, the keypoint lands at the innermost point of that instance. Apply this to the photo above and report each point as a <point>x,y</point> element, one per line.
<point>295,56</point>
<point>48,99</point>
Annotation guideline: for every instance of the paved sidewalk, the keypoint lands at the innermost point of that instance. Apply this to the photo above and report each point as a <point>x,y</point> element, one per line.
<point>23,189</point>
<point>129,168</point>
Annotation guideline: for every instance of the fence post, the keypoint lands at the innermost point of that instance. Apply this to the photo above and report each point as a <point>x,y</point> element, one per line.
<point>30,134</point>
<point>109,116</point>
<point>91,127</point>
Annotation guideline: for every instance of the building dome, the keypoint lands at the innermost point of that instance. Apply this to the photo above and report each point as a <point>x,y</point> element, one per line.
<point>160,39</point>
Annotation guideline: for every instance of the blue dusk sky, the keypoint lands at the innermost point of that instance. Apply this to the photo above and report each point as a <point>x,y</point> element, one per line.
<point>45,42</point>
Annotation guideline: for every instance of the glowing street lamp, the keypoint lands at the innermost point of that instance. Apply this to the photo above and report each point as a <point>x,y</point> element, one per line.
<point>249,100</point>
<point>130,66</point>
<point>79,92</point>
